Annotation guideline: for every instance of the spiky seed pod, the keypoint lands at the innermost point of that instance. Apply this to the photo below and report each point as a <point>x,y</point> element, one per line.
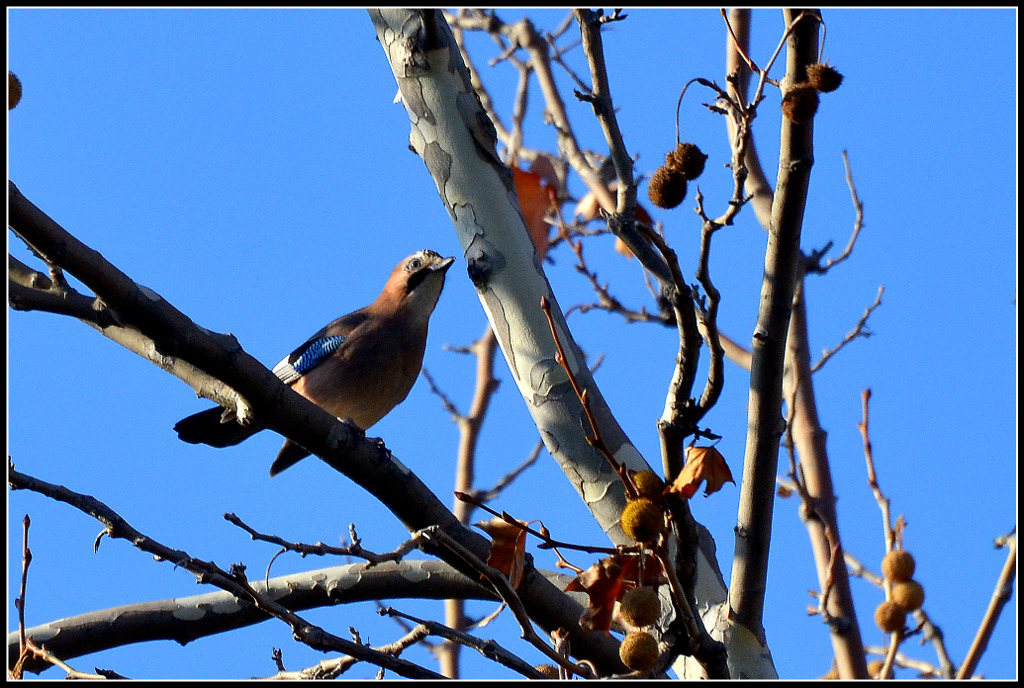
<point>908,594</point>
<point>890,617</point>
<point>688,159</point>
<point>898,566</point>
<point>640,607</point>
<point>824,77</point>
<point>800,103</point>
<point>549,670</point>
<point>667,187</point>
<point>875,667</point>
<point>639,651</point>
<point>643,520</point>
<point>649,485</point>
<point>13,90</point>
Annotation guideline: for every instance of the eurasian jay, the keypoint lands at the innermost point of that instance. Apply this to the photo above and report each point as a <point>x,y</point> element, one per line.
<point>358,367</point>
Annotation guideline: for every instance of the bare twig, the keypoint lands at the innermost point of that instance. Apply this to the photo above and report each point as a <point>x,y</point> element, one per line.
<point>858,224</point>
<point>508,595</point>
<point>234,582</point>
<point>486,495</point>
<point>549,542</point>
<point>1000,596</point>
<point>594,439</point>
<point>19,602</point>
<point>737,78</point>
<point>880,498</point>
<point>488,648</point>
<point>857,331</point>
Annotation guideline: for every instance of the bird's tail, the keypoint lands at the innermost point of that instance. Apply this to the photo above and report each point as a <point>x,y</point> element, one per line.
<point>206,427</point>
<point>289,455</point>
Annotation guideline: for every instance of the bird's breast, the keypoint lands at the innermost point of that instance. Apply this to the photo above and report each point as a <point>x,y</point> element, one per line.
<point>366,380</point>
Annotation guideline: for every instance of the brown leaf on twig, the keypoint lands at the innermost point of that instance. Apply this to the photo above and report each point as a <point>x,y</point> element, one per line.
<point>508,548</point>
<point>607,581</point>
<point>604,584</point>
<point>702,464</point>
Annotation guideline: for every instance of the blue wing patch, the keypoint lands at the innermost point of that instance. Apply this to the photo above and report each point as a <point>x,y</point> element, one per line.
<point>307,357</point>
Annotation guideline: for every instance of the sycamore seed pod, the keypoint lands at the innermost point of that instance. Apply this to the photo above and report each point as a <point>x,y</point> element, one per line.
<point>824,77</point>
<point>908,594</point>
<point>800,103</point>
<point>688,159</point>
<point>667,187</point>
<point>890,617</point>
<point>639,651</point>
<point>640,607</point>
<point>643,520</point>
<point>649,485</point>
<point>13,90</point>
<point>898,566</point>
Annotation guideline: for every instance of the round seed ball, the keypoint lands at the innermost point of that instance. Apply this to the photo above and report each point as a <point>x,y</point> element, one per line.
<point>643,520</point>
<point>667,187</point>
<point>640,607</point>
<point>824,77</point>
<point>890,617</point>
<point>800,103</point>
<point>639,651</point>
<point>688,159</point>
<point>898,566</point>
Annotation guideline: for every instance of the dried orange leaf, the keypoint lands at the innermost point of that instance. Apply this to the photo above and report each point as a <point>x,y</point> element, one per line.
<point>508,548</point>
<point>604,584</point>
<point>535,200</point>
<point>607,581</point>
<point>702,464</point>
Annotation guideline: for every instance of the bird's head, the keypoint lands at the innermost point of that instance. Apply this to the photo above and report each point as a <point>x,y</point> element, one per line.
<point>415,284</point>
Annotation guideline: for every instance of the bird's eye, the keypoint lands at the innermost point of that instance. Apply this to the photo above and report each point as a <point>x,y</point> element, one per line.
<point>415,264</point>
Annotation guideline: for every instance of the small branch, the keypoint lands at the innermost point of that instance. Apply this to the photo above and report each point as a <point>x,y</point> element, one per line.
<point>207,572</point>
<point>741,46</point>
<point>858,224</point>
<point>469,433</point>
<point>933,634</point>
<point>488,648</point>
<point>549,542</point>
<point>924,669</point>
<point>709,313</point>
<point>595,439</point>
<point>857,331</point>
<point>29,290</point>
<point>508,595</point>
<point>318,549</point>
<point>601,99</point>
<point>738,71</point>
<point>1000,597</point>
<point>679,419</point>
<point>17,671</point>
<point>486,495</point>
<point>881,499</point>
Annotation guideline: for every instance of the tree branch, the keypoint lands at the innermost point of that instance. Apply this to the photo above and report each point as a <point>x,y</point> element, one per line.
<point>764,420</point>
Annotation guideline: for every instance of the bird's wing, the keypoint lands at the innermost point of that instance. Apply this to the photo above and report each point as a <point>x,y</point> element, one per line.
<point>317,348</point>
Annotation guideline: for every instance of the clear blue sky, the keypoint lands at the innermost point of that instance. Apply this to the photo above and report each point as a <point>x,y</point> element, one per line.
<point>251,167</point>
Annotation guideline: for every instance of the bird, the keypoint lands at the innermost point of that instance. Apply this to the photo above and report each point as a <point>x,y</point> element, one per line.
<point>358,367</point>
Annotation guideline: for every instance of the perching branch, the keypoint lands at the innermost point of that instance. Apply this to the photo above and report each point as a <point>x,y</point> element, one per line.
<point>365,461</point>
